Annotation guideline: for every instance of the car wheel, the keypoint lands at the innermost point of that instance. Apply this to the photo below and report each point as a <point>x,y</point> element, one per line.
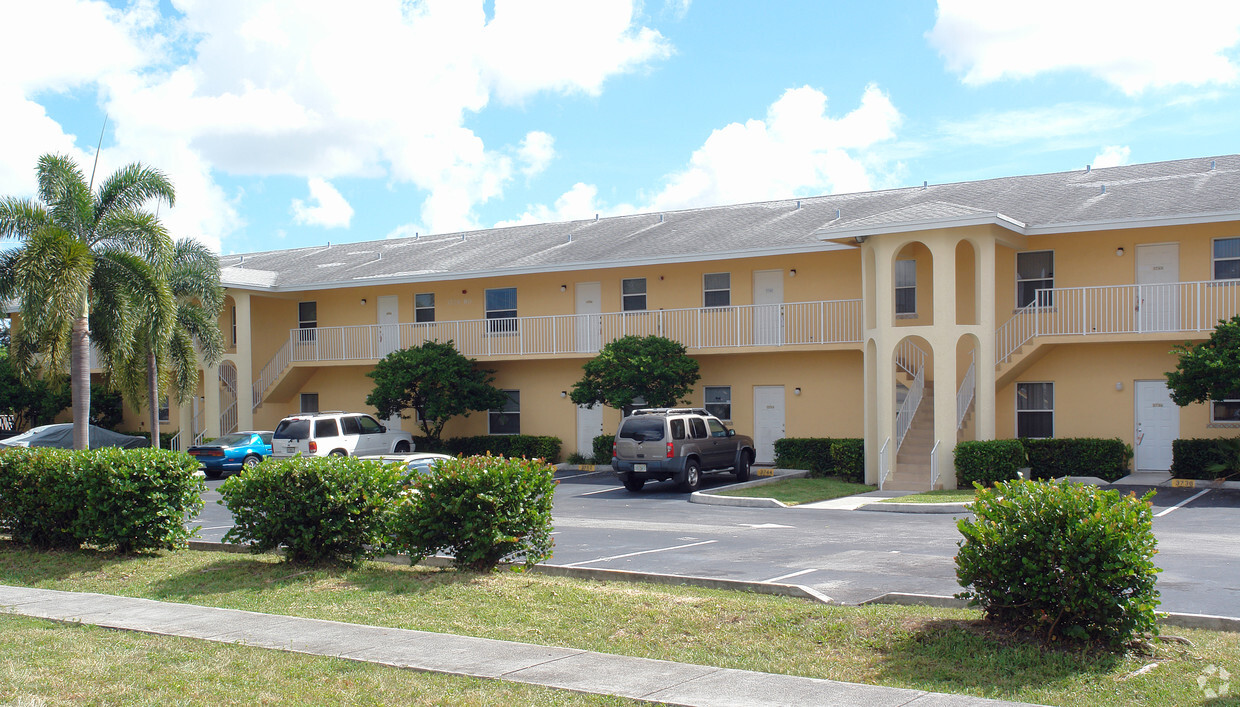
<point>402,447</point>
<point>251,461</point>
<point>212,474</point>
<point>338,453</point>
<point>742,468</point>
<point>634,484</point>
<point>693,477</point>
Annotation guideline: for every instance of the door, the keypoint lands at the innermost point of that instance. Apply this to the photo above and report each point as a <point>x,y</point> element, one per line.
<point>1158,424</point>
<point>389,326</point>
<point>1158,275</point>
<point>589,426</point>
<point>768,314</point>
<point>768,425</point>
<point>589,319</point>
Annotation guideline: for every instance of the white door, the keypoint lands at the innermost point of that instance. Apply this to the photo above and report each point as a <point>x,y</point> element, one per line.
<point>768,314</point>
<point>1158,275</point>
<point>768,421</point>
<point>389,326</point>
<point>1158,424</point>
<point>589,426</point>
<point>589,319</point>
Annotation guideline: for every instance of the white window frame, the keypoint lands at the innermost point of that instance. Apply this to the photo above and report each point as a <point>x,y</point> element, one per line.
<point>631,298</point>
<point>1051,410</point>
<point>309,333</point>
<point>164,412</point>
<point>498,322</point>
<point>898,287</point>
<point>419,311</point>
<point>1226,421</point>
<point>706,292</point>
<point>707,403</point>
<point>492,413</point>
<point>1048,301</point>
<point>1214,260</point>
<point>306,397</point>
<point>234,326</point>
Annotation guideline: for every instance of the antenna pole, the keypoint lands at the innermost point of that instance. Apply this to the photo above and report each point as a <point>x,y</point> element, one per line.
<point>98,148</point>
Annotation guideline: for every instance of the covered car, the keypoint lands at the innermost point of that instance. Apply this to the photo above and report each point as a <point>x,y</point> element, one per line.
<point>60,435</point>
<point>232,452</point>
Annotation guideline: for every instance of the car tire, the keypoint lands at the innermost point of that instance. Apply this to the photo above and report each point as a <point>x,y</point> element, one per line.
<point>337,453</point>
<point>693,477</point>
<point>402,447</point>
<point>742,467</point>
<point>633,484</point>
<point>251,461</point>
<point>212,474</point>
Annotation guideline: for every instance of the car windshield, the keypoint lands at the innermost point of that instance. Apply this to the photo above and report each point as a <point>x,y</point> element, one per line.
<point>649,428</point>
<point>293,429</point>
<point>232,440</point>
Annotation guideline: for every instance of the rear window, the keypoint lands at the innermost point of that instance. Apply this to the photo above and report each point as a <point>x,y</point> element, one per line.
<point>233,439</point>
<point>649,428</point>
<point>292,429</point>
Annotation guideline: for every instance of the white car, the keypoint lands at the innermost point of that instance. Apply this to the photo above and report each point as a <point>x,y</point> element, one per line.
<point>336,433</point>
<point>414,464</point>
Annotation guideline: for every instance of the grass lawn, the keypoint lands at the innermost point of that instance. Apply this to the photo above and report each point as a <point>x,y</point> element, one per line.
<point>794,491</point>
<point>941,650</point>
<point>939,496</point>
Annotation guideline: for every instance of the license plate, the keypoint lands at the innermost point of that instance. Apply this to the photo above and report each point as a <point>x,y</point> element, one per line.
<point>639,467</point>
<point>290,450</point>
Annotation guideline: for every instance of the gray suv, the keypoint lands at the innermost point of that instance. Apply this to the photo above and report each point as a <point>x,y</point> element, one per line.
<point>677,443</point>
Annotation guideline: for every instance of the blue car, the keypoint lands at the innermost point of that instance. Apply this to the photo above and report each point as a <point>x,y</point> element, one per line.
<point>232,452</point>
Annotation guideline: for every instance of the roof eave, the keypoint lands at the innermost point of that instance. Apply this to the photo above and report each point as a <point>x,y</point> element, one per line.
<point>851,234</point>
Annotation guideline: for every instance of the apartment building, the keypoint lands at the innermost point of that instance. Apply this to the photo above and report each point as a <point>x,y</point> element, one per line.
<point>1038,306</point>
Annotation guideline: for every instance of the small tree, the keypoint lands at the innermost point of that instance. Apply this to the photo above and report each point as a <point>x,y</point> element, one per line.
<point>434,380</point>
<point>1209,370</point>
<point>653,368</point>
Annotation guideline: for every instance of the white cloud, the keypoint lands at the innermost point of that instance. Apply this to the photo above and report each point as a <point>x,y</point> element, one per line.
<point>1132,44</point>
<point>1057,122</point>
<point>327,207</point>
<point>536,152</point>
<point>580,202</point>
<point>1112,156</point>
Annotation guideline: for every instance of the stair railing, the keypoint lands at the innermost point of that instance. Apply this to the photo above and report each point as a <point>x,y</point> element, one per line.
<point>934,465</point>
<point>964,396</point>
<point>884,464</point>
<point>908,410</point>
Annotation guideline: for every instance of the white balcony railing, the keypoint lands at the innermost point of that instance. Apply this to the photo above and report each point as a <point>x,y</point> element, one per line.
<point>1119,309</point>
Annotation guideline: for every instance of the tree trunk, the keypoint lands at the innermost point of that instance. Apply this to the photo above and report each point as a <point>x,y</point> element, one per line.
<point>79,375</point>
<point>152,387</point>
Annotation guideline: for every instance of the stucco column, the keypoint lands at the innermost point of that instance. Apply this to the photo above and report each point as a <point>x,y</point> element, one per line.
<point>942,338</point>
<point>984,394</point>
<point>211,400</point>
<point>245,363</point>
<point>880,370</point>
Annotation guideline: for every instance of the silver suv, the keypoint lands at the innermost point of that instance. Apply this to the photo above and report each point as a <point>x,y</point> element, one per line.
<point>677,443</point>
<point>336,433</point>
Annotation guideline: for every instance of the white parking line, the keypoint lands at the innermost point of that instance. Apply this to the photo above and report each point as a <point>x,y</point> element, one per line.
<point>642,552</point>
<point>790,576</point>
<point>216,527</point>
<point>574,476</point>
<point>591,493</point>
<point>1184,502</point>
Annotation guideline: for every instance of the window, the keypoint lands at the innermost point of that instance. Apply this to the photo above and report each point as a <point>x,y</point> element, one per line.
<point>646,429</point>
<point>307,320</point>
<point>1226,411</point>
<point>1035,410</point>
<point>424,307</point>
<point>326,427</point>
<point>638,403</point>
<point>1226,258</point>
<point>717,289</point>
<point>678,428</point>
<point>717,430</point>
<point>507,420</point>
<point>349,425</point>
<point>502,306</point>
<point>163,409</point>
<point>309,402</point>
<point>906,287</point>
<point>369,425</point>
<point>633,294</point>
<point>234,327</point>
<point>697,427</point>
<point>1035,270</point>
<point>719,401</point>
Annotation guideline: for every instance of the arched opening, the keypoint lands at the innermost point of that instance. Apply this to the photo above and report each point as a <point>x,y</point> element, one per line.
<point>228,397</point>
<point>913,438</point>
<point>966,283</point>
<point>966,387</point>
<point>912,277</point>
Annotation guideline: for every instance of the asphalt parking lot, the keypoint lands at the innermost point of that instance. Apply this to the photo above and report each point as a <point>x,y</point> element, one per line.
<point>850,556</point>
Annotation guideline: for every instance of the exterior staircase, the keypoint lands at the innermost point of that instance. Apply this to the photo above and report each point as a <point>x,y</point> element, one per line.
<point>911,471</point>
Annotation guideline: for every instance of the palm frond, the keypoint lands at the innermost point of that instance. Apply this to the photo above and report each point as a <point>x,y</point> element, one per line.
<point>139,232</point>
<point>20,217</point>
<point>56,175</point>
<point>130,187</point>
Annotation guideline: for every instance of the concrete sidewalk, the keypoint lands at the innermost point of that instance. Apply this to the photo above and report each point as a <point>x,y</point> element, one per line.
<point>565,668</point>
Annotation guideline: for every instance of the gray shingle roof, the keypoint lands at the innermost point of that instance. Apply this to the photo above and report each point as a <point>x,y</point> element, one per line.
<point>1182,190</point>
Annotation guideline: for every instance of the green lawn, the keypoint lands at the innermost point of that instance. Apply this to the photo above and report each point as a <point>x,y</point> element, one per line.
<point>940,496</point>
<point>941,650</point>
<point>795,491</point>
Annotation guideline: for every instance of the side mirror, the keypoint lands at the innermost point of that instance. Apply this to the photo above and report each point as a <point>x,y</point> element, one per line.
<point>731,433</point>
<point>383,428</point>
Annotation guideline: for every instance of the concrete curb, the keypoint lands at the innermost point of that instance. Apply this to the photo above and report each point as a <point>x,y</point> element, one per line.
<point>711,499</point>
<point>940,508</point>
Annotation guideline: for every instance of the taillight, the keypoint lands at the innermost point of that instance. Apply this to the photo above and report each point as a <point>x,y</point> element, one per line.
<point>613,449</point>
<point>314,447</point>
<point>669,450</point>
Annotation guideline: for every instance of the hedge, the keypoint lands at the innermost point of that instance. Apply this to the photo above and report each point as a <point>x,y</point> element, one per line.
<point>823,456</point>
<point>127,500</point>
<point>988,462</point>
<point>528,446</point>
<point>1086,456</point>
<point>1205,458</point>
<point>602,448</point>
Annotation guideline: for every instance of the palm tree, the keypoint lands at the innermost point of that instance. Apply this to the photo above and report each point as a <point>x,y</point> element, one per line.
<point>171,336</point>
<point>77,248</point>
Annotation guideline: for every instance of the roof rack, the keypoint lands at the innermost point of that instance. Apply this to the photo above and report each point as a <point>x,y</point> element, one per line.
<point>665,411</point>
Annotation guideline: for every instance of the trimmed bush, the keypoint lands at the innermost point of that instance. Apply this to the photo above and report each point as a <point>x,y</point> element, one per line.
<point>1203,458</point>
<point>1085,456</point>
<point>988,462</point>
<point>482,510</point>
<point>528,446</point>
<point>602,448</point>
<point>848,459</point>
<point>321,510</point>
<point>128,500</point>
<point>823,456</point>
<point>1065,562</point>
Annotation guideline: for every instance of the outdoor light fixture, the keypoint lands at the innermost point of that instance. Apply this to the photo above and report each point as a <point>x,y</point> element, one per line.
<point>792,272</point>
<point>1119,385</point>
<point>796,391</point>
<point>563,288</point>
<point>363,301</point>
<point>1119,252</point>
<point>563,393</point>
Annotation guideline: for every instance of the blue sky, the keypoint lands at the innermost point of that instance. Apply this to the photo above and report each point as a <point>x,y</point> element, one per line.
<point>297,122</point>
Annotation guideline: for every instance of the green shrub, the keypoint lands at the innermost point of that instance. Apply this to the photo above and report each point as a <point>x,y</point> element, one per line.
<point>321,510</point>
<point>823,456</point>
<point>123,499</point>
<point>528,446</point>
<point>848,459</point>
<point>988,462</point>
<point>480,509</point>
<point>1066,562</point>
<point>1203,458</point>
<point>602,448</point>
<point>1086,456</point>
